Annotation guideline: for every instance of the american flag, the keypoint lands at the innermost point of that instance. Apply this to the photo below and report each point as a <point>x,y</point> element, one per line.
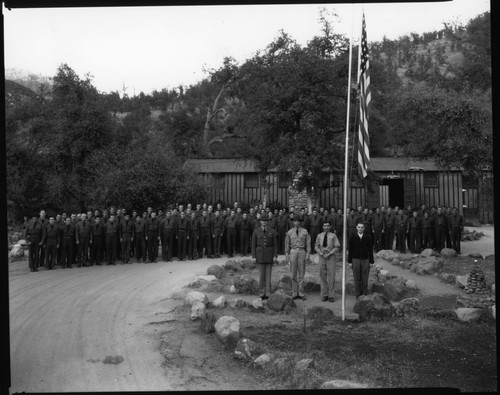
<point>364,100</point>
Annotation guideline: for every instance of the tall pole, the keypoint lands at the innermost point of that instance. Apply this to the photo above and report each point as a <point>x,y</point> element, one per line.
<point>346,185</point>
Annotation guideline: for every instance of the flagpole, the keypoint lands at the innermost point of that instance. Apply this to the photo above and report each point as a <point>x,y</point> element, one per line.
<point>346,166</point>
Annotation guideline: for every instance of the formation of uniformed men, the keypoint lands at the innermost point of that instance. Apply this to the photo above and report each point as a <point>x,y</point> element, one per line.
<point>96,237</point>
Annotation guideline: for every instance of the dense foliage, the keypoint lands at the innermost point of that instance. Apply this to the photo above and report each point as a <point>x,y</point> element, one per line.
<point>71,147</point>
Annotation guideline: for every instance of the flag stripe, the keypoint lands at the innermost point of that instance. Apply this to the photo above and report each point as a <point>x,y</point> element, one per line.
<point>364,101</point>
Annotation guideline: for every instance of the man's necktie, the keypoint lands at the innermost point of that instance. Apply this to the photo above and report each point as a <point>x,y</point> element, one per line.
<point>297,232</point>
<point>325,240</point>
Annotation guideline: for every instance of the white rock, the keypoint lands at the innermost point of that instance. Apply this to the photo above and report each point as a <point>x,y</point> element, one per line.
<point>209,278</point>
<point>195,296</point>
<point>410,284</point>
<point>337,384</point>
<point>493,311</point>
<point>427,252</point>
<point>23,242</point>
<point>467,314</point>
<point>233,289</point>
<point>461,281</point>
<point>351,317</point>
<point>227,329</point>
<point>304,364</point>
<point>262,360</point>
<point>219,302</point>
<point>448,252</point>
<point>197,310</point>
<point>17,251</point>
<point>257,303</point>
<point>383,272</point>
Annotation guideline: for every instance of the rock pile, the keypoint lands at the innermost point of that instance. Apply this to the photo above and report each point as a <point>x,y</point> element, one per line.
<point>476,283</point>
<point>467,235</point>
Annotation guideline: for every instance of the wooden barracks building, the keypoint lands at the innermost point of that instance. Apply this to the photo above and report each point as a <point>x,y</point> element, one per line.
<point>399,182</point>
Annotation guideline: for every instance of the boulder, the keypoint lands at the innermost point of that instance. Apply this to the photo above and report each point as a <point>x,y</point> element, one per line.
<point>207,278</point>
<point>285,282</point>
<point>277,301</point>
<point>23,242</point>
<point>341,384</point>
<point>467,314</point>
<point>246,284</point>
<point>248,264</point>
<point>195,296</point>
<point>429,265</point>
<point>262,361</point>
<point>233,266</point>
<point>304,364</point>
<point>396,262</point>
<point>383,272</point>
<point>373,307</point>
<point>214,287</point>
<point>448,252</point>
<point>227,330</point>
<point>461,281</point>
<point>394,291</point>
<point>311,283</point>
<point>197,310</point>
<point>427,253</point>
<point>407,307</point>
<point>216,270</point>
<point>219,302</point>
<point>320,313</point>
<point>411,284</point>
<point>493,311</point>
<point>257,304</point>
<point>476,255</point>
<point>207,323</point>
<point>247,350</point>
<point>238,304</point>
<point>17,252</point>
<point>388,255</point>
<point>232,289</point>
<point>351,317</point>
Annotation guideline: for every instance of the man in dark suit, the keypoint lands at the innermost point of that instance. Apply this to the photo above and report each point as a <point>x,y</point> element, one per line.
<point>265,251</point>
<point>360,258</point>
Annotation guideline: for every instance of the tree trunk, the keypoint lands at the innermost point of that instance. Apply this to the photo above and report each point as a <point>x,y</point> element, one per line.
<point>211,113</point>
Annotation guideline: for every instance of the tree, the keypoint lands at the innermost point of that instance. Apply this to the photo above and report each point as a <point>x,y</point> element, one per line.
<point>296,104</point>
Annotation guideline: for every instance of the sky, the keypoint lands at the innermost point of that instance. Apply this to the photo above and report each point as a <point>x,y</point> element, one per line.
<point>150,48</point>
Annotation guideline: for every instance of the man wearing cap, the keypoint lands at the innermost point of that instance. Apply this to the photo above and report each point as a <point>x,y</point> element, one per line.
<point>360,258</point>
<point>264,251</point>
<point>96,237</point>
<point>52,243</point>
<point>82,240</point>
<point>327,244</point>
<point>297,251</point>
<point>126,235</point>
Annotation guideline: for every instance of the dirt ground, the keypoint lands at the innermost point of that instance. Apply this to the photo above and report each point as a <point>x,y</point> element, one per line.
<point>121,328</point>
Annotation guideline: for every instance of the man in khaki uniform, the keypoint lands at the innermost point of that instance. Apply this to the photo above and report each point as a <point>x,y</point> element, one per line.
<point>327,244</point>
<point>297,252</point>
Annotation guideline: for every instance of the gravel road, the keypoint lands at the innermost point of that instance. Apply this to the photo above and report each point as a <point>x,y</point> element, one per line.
<point>64,323</point>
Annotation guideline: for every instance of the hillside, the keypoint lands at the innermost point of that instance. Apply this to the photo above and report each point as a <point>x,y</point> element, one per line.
<point>17,94</point>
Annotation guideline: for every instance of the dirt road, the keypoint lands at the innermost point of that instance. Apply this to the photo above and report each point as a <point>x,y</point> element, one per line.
<point>88,329</point>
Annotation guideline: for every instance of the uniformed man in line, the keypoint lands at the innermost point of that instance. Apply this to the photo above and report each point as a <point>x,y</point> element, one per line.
<point>245,231</point>
<point>265,252</point>
<point>456,226</point>
<point>326,245</point>
<point>111,234</point>
<point>51,243</point>
<point>217,233</point>
<point>402,230</point>
<point>96,236</point>
<point>378,222</point>
<point>297,252</point>
<point>338,226</point>
<point>140,239</point>
<point>82,241</point>
<point>192,245</point>
<point>389,228</point>
<point>168,229</point>
<point>205,227</point>
<point>448,212</point>
<point>352,219</point>
<point>415,230</point>
<point>44,221</point>
<point>427,230</point>
<point>126,236</point>
<point>66,242</point>
<point>366,218</point>
<point>440,228</point>
<point>230,231</point>
<point>282,229</point>
<point>152,237</point>
<point>60,220</point>
<point>433,215</point>
<point>315,225</point>
<point>182,235</point>
<point>35,236</point>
